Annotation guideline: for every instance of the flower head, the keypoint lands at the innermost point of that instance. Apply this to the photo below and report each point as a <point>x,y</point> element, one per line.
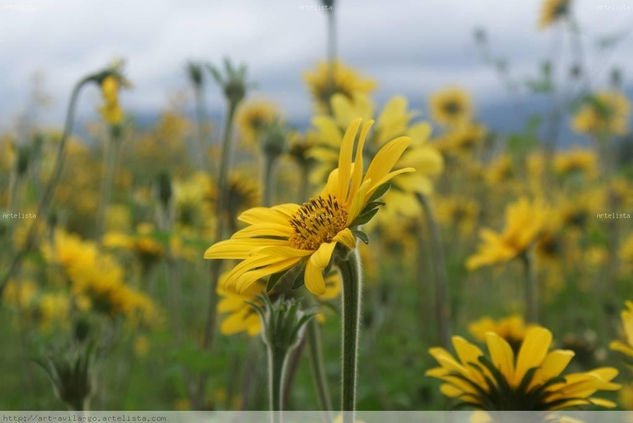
<point>577,160</point>
<point>512,328</point>
<point>345,81</point>
<point>253,118</point>
<point>281,237</point>
<point>531,380</point>
<point>626,347</point>
<point>606,112</point>
<point>524,224</point>
<point>451,107</point>
<point>552,11</point>
<point>111,110</point>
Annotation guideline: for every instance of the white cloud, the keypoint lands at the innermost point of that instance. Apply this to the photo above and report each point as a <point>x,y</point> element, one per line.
<point>411,46</point>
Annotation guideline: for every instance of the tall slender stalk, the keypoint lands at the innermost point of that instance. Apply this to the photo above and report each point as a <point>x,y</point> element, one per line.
<point>350,270</point>
<point>268,170</point>
<point>317,367</point>
<point>277,364</point>
<point>45,200</point>
<point>199,100</point>
<point>442,306</point>
<point>531,287</point>
<point>109,165</point>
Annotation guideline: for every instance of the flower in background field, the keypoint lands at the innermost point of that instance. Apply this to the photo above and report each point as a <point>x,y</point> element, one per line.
<point>53,309</point>
<point>111,110</point>
<point>531,380</point>
<point>288,235</point>
<point>253,117</point>
<point>604,113</point>
<point>20,294</point>
<point>552,11</point>
<point>524,222</point>
<point>243,193</point>
<point>451,107</point>
<point>577,160</point>
<point>394,120</point>
<point>625,347</point>
<point>239,316</point>
<point>512,328</point>
<point>345,81</point>
<point>462,140</point>
<point>457,212</point>
<point>500,170</point>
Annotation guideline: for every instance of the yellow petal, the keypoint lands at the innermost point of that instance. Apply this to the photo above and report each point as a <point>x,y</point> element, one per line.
<point>533,351</point>
<point>501,355</point>
<point>347,238</point>
<point>345,159</point>
<point>314,268</point>
<point>386,158</point>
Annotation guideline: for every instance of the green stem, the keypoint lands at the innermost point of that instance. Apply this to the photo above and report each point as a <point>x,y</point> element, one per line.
<point>45,200</point>
<point>197,90</point>
<point>531,287</point>
<point>277,363</point>
<point>269,169</point>
<point>351,276</point>
<point>315,350</point>
<point>106,182</point>
<point>442,306</point>
<point>216,265</point>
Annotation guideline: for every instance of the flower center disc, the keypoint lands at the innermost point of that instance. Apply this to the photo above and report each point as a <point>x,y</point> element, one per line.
<point>316,222</point>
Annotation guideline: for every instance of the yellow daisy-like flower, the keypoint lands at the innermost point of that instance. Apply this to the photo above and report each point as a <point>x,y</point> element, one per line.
<point>500,169</point>
<point>576,160</point>
<point>451,107</point>
<point>111,110</point>
<point>457,212</point>
<point>625,347</point>
<point>512,328</point>
<point>253,117</point>
<point>462,140</point>
<point>552,11</point>
<point>284,236</point>
<point>393,121</point>
<point>532,380</point>
<point>346,81</point>
<point>524,223</point>
<point>607,112</point>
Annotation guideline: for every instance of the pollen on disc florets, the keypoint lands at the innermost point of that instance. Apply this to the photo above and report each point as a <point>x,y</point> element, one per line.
<point>316,222</point>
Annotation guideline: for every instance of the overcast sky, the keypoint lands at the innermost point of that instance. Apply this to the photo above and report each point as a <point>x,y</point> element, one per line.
<point>410,46</point>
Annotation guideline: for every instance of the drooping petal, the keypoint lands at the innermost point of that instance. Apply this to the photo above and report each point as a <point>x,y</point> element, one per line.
<point>313,279</point>
<point>347,238</point>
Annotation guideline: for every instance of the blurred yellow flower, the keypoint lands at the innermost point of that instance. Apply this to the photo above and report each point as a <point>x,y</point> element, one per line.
<point>54,309</point>
<point>110,110</point>
<point>457,212</point>
<point>531,380</point>
<point>625,347</point>
<point>19,294</point>
<point>345,81</point>
<point>605,113</point>
<point>552,11</point>
<point>240,316</point>
<point>451,106</point>
<point>524,222</point>
<point>578,160</point>
<point>462,140</point>
<point>253,117</point>
<point>500,169</point>
<point>512,328</point>
<point>626,252</point>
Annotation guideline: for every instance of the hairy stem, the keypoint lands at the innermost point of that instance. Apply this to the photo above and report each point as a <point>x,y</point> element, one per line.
<point>351,277</point>
<point>531,287</point>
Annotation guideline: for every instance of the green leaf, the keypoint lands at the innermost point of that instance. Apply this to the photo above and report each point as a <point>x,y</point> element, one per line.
<point>380,191</point>
<point>361,235</point>
<point>364,217</point>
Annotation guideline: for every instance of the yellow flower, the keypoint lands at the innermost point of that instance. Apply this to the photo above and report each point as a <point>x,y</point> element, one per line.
<point>512,328</point>
<point>54,308</point>
<point>500,170</point>
<point>457,212</point>
<point>284,236</point>
<point>240,316</point>
<point>253,117</point>
<point>576,160</point>
<point>552,11</point>
<point>607,112</point>
<point>393,121</point>
<point>243,193</point>
<point>625,347</point>
<point>451,107</point>
<point>111,111</point>
<point>19,294</point>
<point>524,223</point>
<point>462,140</point>
<point>346,81</point>
<point>532,380</point>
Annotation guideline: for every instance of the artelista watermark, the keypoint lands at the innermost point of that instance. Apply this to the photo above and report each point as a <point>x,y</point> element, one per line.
<point>17,215</point>
<point>614,215</point>
<point>315,7</point>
